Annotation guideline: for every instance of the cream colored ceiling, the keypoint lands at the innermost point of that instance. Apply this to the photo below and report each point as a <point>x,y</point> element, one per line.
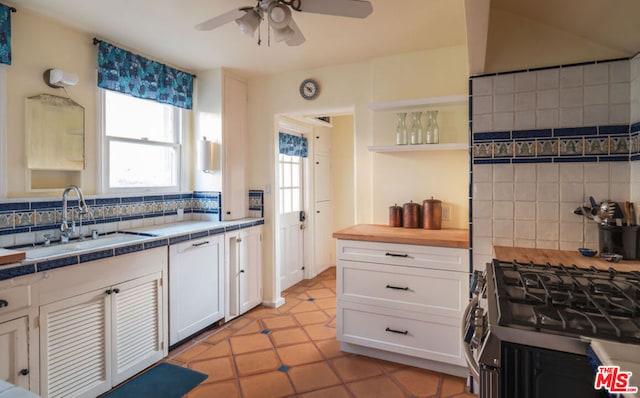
<point>163,29</point>
<point>524,33</point>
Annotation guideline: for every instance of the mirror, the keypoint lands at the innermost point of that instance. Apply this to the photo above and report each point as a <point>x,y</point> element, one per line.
<point>55,133</point>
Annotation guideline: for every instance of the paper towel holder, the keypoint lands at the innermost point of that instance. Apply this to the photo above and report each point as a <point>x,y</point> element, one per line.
<point>208,161</point>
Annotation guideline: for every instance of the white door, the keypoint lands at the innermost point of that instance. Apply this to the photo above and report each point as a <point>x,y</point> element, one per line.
<point>136,326</point>
<point>291,226</point>
<point>14,358</point>
<point>250,268</point>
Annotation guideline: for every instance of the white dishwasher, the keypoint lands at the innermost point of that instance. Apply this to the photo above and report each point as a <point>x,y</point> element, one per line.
<point>196,286</point>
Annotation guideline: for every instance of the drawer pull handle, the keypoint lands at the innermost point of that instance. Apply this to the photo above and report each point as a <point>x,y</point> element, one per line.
<point>24,372</point>
<point>396,255</point>
<point>397,331</point>
<point>206,242</point>
<point>4,303</point>
<point>397,288</point>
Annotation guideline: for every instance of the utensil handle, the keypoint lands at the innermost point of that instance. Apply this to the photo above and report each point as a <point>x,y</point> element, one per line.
<point>627,213</point>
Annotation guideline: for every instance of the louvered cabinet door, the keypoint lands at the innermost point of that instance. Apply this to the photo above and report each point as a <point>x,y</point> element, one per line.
<point>74,346</point>
<point>136,326</point>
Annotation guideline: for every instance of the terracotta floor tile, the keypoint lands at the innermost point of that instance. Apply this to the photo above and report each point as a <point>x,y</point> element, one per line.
<point>313,377</point>
<point>321,293</point>
<point>331,392</point>
<point>352,368</point>
<point>215,351</point>
<point>219,336</point>
<point>326,303</point>
<point>284,309</point>
<point>332,323</point>
<point>241,322</point>
<point>305,306</point>
<point>299,354</point>
<point>390,366</point>
<point>320,332</point>
<point>256,362</point>
<point>466,395</point>
<point>331,312</point>
<point>266,385</point>
<point>226,389</point>
<point>329,283</point>
<point>216,368</point>
<point>309,318</point>
<point>380,386</point>
<point>330,348</point>
<point>191,353</point>
<point>250,343</point>
<point>289,336</point>
<point>418,382</point>
<point>452,386</point>
<point>251,328</point>
<point>279,322</point>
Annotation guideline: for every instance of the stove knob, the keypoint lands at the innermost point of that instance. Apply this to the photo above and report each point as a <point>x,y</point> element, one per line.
<point>479,281</point>
<point>478,332</point>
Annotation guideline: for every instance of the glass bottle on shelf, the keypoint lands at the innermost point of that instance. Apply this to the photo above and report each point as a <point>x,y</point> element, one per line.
<point>432,130</point>
<point>401,129</point>
<point>415,137</point>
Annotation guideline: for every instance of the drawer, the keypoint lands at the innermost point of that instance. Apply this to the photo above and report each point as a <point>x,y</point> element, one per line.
<point>431,257</point>
<point>413,289</point>
<point>14,298</point>
<point>403,332</point>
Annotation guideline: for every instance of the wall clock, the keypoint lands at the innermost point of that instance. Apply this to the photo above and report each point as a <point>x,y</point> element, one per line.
<point>309,89</point>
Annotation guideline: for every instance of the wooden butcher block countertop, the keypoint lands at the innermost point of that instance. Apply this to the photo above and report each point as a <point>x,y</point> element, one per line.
<point>456,238</point>
<point>564,257</point>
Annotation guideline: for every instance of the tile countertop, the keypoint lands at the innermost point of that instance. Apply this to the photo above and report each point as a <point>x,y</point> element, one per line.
<point>565,257</point>
<point>150,237</point>
<point>456,238</point>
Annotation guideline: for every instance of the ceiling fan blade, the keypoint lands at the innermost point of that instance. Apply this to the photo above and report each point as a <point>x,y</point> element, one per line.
<point>341,8</point>
<point>298,37</point>
<point>221,19</point>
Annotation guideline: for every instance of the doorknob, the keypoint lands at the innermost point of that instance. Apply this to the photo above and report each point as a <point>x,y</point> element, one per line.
<point>302,226</point>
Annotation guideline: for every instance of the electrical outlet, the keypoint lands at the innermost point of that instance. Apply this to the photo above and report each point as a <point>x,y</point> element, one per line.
<point>446,213</point>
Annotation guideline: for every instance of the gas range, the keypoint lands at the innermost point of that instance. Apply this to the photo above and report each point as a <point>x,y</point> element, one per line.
<point>534,317</point>
<point>568,300</point>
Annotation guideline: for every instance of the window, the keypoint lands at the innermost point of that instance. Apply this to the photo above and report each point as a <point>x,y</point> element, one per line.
<point>290,183</point>
<point>141,143</point>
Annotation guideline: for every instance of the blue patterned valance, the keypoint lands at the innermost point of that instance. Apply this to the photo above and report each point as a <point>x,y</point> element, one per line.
<point>5,34</point>
<point>293,145</point>
<point>129,73</point>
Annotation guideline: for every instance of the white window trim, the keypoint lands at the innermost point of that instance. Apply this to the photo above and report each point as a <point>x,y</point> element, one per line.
<point>3,131</point>
<point>103,155</point>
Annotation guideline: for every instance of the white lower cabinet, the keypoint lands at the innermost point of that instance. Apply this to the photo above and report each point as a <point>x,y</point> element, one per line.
<point>243,263</point>
<point>93,341</point>
<point>402,302</point>
<point>196,286</point>
<point>98,323</point>
<point>14,355</point>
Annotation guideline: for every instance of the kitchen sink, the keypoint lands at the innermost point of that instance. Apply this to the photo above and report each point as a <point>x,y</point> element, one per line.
<point>73,247</point>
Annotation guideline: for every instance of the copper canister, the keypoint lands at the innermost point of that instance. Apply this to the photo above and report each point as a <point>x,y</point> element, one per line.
<point>395,216</point>
<point>431,214</point>
<point>411,215</point>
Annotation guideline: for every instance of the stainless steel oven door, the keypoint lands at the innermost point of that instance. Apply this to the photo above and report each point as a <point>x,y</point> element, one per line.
<point>468,333</point>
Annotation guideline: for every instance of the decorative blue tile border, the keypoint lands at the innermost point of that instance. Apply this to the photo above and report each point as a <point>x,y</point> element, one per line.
<point>30,216</point>
<point>612,143</point>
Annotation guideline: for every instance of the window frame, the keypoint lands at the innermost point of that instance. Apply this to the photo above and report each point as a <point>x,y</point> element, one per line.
<point>181,125</point>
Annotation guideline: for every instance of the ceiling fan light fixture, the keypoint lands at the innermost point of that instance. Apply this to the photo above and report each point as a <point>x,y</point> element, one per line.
<point>279,15</point>
<point>282,34</point>
<point>249,22</point>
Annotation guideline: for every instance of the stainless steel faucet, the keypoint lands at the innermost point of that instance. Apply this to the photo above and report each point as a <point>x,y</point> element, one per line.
<point>65,231</point>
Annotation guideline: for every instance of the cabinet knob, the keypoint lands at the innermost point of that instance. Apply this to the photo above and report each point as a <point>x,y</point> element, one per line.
<point>4,303</point>
<point>238,240</point>
<point>24,372</point>
<point>108,291</point>
<point>116,290</point>
<point>242,271</point>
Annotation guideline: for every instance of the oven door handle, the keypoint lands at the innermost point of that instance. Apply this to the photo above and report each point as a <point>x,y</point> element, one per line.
<point>474,368</point>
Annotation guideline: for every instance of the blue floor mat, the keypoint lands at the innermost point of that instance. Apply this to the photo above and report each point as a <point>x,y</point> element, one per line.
<point>162,381</point>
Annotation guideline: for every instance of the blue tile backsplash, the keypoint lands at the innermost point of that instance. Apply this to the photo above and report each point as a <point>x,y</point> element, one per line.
<point>30,216</point>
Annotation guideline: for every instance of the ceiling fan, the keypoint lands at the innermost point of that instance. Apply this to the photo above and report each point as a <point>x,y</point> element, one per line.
<point>278,14</point>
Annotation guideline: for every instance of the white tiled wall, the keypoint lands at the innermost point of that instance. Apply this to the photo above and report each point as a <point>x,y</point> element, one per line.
<point>531,205</point>
<point>586,95</point>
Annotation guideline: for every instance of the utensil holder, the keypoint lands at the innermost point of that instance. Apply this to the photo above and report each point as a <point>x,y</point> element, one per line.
<point>610,239</point>
<point>630,242</point>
